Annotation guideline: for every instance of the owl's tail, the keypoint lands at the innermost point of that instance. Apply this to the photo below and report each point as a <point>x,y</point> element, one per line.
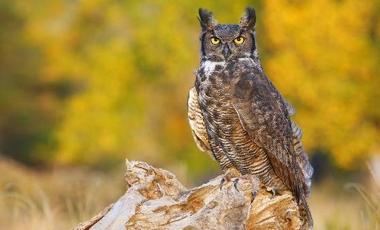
<point>307,219</point>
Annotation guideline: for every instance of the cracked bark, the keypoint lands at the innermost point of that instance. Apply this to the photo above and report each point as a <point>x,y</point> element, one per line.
<point>155,199</point>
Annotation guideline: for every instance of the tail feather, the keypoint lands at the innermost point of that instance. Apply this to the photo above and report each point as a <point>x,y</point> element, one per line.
<point>307,219</point>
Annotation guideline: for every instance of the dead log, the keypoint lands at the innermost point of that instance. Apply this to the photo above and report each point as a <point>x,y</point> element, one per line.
<point>155,199</point>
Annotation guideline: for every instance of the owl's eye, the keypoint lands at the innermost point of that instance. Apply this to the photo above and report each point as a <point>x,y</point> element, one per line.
<point>215,40</point>
<point>239,40</point>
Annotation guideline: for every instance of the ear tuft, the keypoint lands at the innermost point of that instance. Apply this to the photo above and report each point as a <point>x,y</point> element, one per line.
<point>248,21</point>
<point>206,20</point>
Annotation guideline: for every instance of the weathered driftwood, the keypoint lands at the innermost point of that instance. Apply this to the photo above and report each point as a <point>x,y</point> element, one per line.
<point>155,199</point>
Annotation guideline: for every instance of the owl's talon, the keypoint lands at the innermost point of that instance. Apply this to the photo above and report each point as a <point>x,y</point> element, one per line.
<point>235,184</point>
<point>273,191</point>
<point>254,194</point>
<point>228,175</point>
<point>222,181</point>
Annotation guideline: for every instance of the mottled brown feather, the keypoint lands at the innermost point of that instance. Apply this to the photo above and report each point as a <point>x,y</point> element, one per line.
<point>196,122</point>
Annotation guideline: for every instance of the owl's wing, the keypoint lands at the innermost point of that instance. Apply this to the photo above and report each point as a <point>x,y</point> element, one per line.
<point>267,122</point>
<point>301,156</point>
<point>196,122</point>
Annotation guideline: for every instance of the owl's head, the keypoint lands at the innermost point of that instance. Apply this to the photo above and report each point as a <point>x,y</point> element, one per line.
<point>220,42</point>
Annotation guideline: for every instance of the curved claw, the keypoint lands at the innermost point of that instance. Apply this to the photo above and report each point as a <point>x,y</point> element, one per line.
<point>226,180</point>
<point>254,194</point>
<point>273,191</point>
<point>228,175</point>
<point>222,181</point>
<point>235,184</point>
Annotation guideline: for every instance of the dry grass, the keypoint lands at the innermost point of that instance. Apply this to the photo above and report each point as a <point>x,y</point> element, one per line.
<point>370,205</point>
<point>59,199</point>
<point>335,208</point>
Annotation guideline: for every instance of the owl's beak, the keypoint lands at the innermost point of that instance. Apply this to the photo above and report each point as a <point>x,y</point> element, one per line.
<point>226,51</point>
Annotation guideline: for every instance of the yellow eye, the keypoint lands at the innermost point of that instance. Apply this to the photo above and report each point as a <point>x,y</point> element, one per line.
<point>239,40</point>
<point>215,40</point>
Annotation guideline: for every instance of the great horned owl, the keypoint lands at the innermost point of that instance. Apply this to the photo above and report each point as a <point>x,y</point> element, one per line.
<point>239,117</point>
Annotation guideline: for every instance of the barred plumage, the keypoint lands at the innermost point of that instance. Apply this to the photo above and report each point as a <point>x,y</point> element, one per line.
<point>238,116</point>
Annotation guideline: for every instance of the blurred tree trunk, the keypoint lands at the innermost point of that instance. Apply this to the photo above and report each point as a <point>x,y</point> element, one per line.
<point>157,200</point>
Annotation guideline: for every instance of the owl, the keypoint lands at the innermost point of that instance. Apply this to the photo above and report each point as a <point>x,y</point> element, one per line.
<point>239,117</point>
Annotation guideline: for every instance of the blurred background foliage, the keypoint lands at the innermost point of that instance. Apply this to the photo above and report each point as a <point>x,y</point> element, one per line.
<point>86,84</point>
<point>92,82</point>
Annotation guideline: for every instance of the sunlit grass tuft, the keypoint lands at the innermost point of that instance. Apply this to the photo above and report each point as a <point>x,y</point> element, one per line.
<point>370,205</point>
<point>56,199</point>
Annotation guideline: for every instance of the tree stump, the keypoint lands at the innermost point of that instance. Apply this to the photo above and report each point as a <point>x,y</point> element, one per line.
<point>155,199</point>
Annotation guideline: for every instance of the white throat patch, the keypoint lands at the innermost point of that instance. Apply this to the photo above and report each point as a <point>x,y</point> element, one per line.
<point>209,66</point>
